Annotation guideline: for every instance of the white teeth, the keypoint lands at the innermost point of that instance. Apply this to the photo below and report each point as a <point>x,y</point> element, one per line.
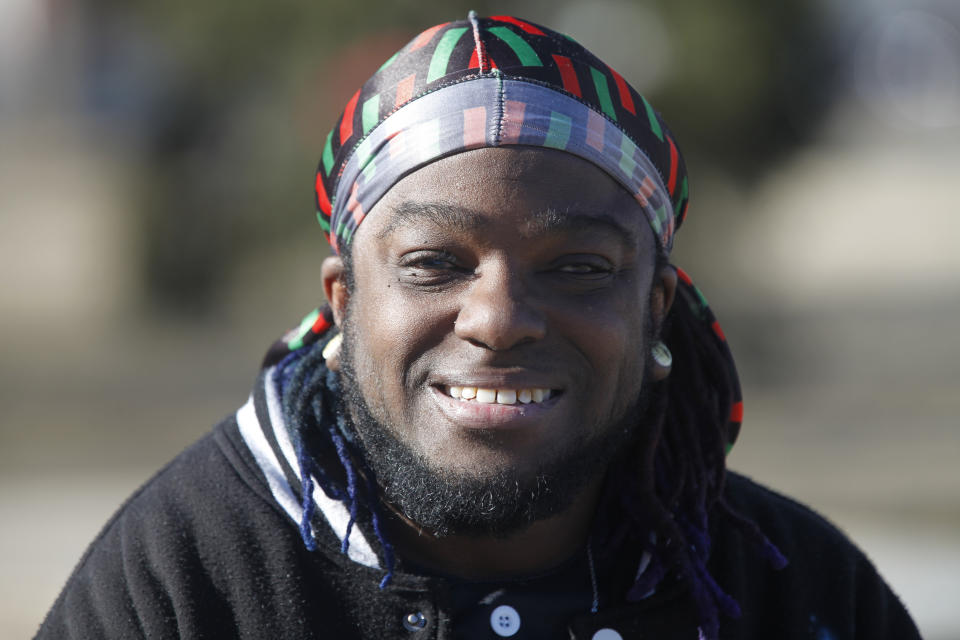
<point>487,396</point>
<point>500,396</point>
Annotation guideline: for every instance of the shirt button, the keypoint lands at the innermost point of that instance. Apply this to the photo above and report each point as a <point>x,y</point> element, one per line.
<point>607,634</point>
<point>414,621</point>
<point>505,621</point>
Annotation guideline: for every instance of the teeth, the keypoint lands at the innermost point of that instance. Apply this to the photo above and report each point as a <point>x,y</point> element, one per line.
<point>500,396</point>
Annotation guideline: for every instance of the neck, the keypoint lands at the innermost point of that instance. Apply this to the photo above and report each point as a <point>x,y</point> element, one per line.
<point>537,548</point>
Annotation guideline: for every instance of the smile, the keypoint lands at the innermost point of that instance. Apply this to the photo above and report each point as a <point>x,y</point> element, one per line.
<point>497,407</point>
<point>500,395</point>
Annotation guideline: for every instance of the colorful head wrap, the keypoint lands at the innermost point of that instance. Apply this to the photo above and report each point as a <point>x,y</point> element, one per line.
<point>489,82</point>
<point>498,81</point>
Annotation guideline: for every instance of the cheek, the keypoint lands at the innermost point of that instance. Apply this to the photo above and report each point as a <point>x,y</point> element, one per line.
<point>613,340</point>
<point>391,337</point>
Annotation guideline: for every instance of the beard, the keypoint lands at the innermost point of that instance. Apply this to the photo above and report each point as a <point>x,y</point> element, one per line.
<point>504,502</point>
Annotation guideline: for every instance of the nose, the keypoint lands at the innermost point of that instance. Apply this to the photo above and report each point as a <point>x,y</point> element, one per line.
<point>498,313</point>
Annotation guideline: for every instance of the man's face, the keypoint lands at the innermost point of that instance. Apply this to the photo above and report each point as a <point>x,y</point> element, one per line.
<point>507,272</point>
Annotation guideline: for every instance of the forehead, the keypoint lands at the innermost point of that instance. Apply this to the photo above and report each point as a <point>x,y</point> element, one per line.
<point>519,186</point>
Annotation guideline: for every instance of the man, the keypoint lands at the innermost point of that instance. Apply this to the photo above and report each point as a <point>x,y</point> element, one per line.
<point>510,420</point>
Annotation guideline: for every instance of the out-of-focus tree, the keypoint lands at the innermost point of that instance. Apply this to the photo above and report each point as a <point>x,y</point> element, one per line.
<point>752,79</point>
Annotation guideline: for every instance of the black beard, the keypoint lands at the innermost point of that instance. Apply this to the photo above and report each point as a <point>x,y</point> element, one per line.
<point>447,503</point>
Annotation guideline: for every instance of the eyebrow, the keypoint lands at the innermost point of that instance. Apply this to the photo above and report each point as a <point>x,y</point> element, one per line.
<point>553,220</point>
<point>440,215</point>
<point>543,222</point>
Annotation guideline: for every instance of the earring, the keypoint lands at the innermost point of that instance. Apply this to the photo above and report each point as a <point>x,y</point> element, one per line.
<point>332,349</point>
<point>661,355</point>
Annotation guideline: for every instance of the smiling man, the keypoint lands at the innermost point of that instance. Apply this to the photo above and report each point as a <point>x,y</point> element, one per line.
<point>510,420</point>
<point>494,334</point>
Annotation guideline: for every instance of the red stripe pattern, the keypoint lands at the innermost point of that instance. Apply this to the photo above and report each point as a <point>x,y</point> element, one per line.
<point>674,159</point>
<point>526,26</point>
<point>346,122</point>
<point>736,412</point>
<point>474,127</point>
<point>475,60</point>
<point>718,331</point>
<point>405,90</point>
<point>568,75</point>
<point>626,100</point>
<point>425,37</point>
<point>322,200</point>
<point>322,324</point>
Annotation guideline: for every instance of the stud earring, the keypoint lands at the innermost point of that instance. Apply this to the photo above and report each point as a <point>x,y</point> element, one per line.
<point>332,349</point>
<point>661,355</point>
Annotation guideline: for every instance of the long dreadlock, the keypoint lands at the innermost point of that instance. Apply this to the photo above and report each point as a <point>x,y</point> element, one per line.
<point>689,463</point>
<point>308,392</point>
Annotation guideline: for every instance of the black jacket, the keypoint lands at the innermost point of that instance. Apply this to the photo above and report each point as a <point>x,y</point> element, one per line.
<point>210,548</point>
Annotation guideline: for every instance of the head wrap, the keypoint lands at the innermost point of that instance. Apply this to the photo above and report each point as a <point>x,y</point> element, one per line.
<point>489,82</point>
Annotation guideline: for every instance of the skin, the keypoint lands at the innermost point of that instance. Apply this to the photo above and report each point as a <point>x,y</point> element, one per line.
<point>502,267</point>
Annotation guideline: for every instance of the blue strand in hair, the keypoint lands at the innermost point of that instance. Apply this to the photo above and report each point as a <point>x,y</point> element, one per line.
<point>285,370</point>
<point>308,505</point>
<point>340,434</point>
<point>303,380</point>
<point>646,582</point>
<point>347,463</point>
<point>388,556</point>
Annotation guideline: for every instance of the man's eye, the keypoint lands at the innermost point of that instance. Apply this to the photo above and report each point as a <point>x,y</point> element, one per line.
<point>579,268</point>
<point>429,261</point>
<point>437,263</point>
<point>585,269</point>
<point>430,269</point>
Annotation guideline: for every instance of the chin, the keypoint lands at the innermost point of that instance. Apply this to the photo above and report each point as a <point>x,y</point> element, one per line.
<point>479,481</point>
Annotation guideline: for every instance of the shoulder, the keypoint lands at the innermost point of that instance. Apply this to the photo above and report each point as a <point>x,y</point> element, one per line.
<point>207,485</point>
<point>192,544</point>
<point>782,518</point>
<point>829,588</point>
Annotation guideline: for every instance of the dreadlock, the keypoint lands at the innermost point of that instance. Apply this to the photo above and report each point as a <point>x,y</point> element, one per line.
<point>308,392</point>
<point>690,418</point>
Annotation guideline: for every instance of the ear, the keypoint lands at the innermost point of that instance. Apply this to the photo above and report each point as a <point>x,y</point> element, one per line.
<point>335,287</point>
<point>663,291</point>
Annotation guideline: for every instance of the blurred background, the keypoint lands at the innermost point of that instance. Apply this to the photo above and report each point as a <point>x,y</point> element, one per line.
<point>157,232</point>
